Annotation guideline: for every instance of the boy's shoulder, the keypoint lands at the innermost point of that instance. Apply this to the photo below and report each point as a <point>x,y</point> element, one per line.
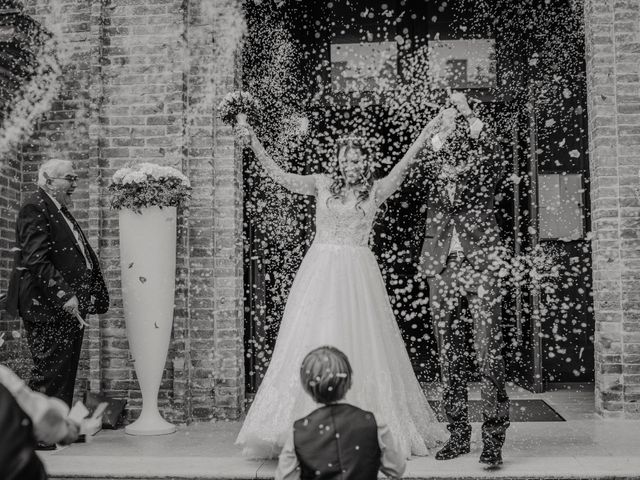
<point>336,410</point>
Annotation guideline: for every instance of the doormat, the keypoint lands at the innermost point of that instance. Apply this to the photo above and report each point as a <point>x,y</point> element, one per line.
<point>533,410</point>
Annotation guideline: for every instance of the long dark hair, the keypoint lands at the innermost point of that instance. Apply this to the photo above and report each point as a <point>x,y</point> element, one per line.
<point>337,188</point>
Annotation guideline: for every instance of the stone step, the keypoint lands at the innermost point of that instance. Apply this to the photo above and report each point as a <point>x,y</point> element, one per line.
<point>492,474</point>
<point>588,448</point>
<point>602,467</point>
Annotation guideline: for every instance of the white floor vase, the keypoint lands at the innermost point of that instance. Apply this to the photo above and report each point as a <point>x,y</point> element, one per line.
<point>148,264</point>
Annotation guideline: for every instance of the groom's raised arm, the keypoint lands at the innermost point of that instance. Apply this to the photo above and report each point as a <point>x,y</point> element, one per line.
<point>491,156</point>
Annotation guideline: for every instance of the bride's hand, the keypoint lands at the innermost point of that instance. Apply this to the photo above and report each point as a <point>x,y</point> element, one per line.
<point>433,125</point>
<point>244,133</point>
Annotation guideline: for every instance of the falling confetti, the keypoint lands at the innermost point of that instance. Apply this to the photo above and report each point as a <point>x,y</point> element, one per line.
<point>291,76</point>
<point>281,224</point>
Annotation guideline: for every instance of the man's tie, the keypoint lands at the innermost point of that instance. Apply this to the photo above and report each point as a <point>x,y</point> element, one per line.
<point>80,235</point>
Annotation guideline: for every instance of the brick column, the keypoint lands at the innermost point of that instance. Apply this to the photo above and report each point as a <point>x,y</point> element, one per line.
<point>228,300</point>
<point>214,360</point>
<point>228,268</point>
<point>612,29</point>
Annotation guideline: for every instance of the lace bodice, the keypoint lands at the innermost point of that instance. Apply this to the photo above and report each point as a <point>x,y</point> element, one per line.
<point>342,223</point>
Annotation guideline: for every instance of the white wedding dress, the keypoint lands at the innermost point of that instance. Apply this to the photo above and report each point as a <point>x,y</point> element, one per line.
<point>339,298</point>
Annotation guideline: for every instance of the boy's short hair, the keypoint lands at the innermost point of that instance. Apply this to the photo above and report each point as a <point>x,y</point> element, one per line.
<point>326,374</point>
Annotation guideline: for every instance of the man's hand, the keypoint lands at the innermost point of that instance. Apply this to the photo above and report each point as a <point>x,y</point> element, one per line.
<point>91,426</point>
<point>459,100</point>
<point>71,306</point>
<point>447,123</point>
<point>73,431</point>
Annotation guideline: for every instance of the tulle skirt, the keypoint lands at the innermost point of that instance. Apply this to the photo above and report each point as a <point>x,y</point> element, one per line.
<point>339,298</point>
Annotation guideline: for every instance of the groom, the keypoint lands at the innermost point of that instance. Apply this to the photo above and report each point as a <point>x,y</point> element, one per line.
<point>464,165</point>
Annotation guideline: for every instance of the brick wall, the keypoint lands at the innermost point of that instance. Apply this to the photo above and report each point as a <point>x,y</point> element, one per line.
<point>10,175</point>
<point>140,85</point>
<point>10,181</point>
<point>613,75</point>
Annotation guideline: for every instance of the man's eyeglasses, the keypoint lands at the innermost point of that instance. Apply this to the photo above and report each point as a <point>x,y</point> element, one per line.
<point>68,178</point>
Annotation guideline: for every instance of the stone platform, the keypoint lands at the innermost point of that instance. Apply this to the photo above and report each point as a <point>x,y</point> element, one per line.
<point>585,446</point>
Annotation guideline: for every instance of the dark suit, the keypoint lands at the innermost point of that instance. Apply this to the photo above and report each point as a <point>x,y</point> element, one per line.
<point>473,274</point>
<point>49,269</point>
<point>337,442</point>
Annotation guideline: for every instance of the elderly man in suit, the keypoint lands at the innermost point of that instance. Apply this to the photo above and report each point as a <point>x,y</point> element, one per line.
<point>459,258</point>
<point>56,281</point>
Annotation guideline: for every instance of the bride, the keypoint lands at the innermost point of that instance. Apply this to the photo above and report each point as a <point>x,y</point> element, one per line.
<point>339,298</point>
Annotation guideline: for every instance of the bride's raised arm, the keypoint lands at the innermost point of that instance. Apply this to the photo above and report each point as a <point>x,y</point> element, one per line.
<point>388,185</point>
<point>301,184</point>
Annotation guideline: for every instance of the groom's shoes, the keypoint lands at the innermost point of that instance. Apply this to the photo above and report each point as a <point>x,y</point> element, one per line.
<point>491,456</point>
<point>452,450</point>
<point>459,443</point>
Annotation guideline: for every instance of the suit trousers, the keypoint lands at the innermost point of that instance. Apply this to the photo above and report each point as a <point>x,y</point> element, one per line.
<point>459,279</point>
<point>55,345</point>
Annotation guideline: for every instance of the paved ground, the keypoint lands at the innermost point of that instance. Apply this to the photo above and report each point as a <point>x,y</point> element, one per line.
<point>584,446</point>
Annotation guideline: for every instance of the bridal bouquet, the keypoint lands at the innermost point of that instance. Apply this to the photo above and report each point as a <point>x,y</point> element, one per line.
<point>236,107</point>
<point>148,185</point>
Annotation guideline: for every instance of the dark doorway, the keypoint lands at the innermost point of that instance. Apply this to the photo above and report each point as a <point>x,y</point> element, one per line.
<point>509,89</point>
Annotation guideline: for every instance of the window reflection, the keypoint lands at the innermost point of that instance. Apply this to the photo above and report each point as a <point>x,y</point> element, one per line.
<point>463,63</point>
<point>364,67</point>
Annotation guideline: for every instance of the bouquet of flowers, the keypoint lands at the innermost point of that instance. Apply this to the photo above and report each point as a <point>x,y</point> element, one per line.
<point>148,185</point>
<point>236,107</point>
